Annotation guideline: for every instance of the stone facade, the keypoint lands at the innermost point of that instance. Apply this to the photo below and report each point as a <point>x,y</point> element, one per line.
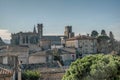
<point>45,44</point>
<point>85,44</point>
<point>8,55</point>
<point>40,57</point>
<point>26,38</point>
<point>68,32</point>
<point>37,38</point>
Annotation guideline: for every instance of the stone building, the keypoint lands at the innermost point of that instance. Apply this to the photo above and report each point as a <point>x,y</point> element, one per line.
<point>26,38</point>
<point>8,59</point>
<point>40,57</point>
<point>68,32</point>
<point>37,38</point>
<point>9,53</point>
<point>45,44</point>
<point>85,44</point>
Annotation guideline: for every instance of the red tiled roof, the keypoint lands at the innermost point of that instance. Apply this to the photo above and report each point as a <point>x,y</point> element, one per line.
<point>5,72</point>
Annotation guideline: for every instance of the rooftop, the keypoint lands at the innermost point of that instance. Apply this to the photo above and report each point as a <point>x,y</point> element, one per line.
<point>81,37</point>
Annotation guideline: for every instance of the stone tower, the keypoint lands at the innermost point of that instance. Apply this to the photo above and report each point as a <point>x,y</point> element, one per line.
<point>68,32</point>
<point>40,30</point>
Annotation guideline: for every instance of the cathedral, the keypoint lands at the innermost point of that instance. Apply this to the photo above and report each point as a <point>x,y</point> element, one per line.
<point>37,37</point>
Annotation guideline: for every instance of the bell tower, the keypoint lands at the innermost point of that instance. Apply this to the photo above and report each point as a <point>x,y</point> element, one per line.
<point>40,30</point>
<point>68,32</point>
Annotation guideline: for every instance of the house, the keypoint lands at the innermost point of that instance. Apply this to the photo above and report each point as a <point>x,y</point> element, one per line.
<point>6,74</point>
<point>7,59</point>
<point>68,54</point>
<point>84,44</point>
<point>40,57</point>
<point>21,52</point>
<point>11,67</point>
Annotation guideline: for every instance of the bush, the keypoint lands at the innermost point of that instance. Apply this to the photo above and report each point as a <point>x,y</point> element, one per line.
<point>30,75</point>
<point>94,67</point>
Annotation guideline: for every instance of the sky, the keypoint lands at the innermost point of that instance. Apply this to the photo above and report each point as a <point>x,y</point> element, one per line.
<point>83,15</point>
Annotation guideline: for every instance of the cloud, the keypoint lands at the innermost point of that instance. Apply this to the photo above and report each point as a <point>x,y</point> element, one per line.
<point>5,34</point>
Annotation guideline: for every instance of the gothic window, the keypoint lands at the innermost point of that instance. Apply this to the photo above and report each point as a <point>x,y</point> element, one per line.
<point>33,40</point>
<point>23,39</point>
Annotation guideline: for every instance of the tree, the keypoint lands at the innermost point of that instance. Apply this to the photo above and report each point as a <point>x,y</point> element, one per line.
<point>30,75</point>
<point>103,33</point>
<point>94,67</point>
<point>111,35</point>
<point>103,38</point>
<point>94,33</point>
<point>112,41</point>
<point>56,55</point>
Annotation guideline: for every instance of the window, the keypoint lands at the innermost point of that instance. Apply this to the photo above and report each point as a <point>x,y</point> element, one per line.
<point>23,39</point>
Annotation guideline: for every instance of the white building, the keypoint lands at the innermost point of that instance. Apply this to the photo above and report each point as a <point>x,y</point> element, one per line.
<point>84,44</point>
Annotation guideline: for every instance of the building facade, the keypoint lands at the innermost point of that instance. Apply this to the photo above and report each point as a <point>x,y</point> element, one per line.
<point>40,57</point>
<point>68,32</point>
<point>26,38</point>
<point>37,38</point>
<point>85,44</point>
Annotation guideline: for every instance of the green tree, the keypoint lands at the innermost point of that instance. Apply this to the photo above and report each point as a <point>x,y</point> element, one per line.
<point>94,33</point>
<point>112,41</point>
<point>94,67</point>
<point>56,55</point>
<point>111,35</point>
<point>30,75</point>
<point>103,33</point>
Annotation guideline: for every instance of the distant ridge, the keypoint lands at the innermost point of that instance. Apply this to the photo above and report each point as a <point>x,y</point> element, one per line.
<point>1,42</point>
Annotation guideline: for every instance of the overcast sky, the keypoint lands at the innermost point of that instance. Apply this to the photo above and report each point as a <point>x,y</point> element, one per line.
<point>83,15</point>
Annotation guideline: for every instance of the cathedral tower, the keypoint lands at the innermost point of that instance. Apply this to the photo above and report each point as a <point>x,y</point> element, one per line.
<point>68,32</point>
<point>40,30</point>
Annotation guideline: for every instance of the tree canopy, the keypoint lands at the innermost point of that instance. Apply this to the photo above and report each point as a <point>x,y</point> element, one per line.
<point>103,33</point>
<point>103,38</point>
<point>94,33</point>
<point>30,75</point>
<point>111,35</point>
<point>94,67</point>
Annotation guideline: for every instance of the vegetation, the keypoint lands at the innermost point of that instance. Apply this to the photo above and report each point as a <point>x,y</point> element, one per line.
<point>30,75</point>
<point>94,67</point>
<point>56,56</point>
<point>103,38</point>
<point>103,33</point>
<point>94,33</point>
<point>111,35</point>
